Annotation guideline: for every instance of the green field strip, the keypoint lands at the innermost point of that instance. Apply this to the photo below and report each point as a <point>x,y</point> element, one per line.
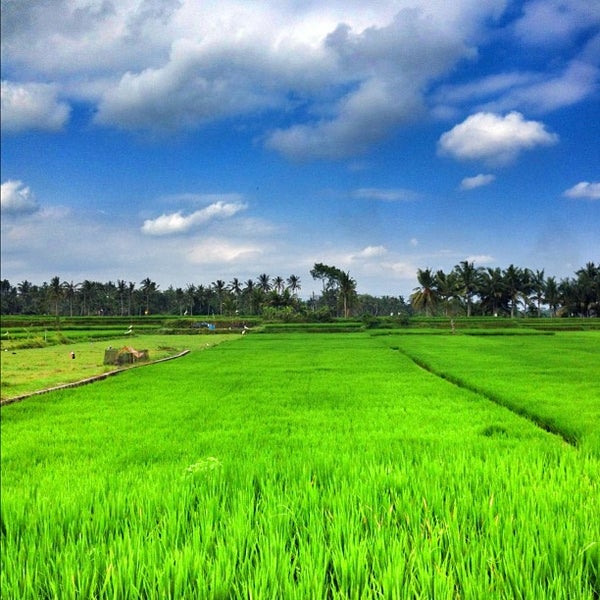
<point>541,422</point>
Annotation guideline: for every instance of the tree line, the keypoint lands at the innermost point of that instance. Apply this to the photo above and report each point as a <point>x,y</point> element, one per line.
<point>465,290</point>
<point>512,291</point>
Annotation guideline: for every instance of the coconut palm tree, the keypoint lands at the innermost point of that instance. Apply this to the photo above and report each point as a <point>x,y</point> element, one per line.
<point>492,291</point>
<point>446,285</point>
<point>278,284</point>
<point>347,291</point>
<point>55,293</point>
<point>70,292</point>
<point>293,282</point>
<point>264,282</point>
<point>148,289</point>
<point>514,279</point>
<point>425,297</point>
<point>219,287</point>
<point>468,279</point>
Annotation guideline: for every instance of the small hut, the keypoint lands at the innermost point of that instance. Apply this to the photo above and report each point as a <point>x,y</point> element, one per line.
<point>125,356</point>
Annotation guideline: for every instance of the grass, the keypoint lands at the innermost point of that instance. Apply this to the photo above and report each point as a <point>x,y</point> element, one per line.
<point>551,379</point>
<point>292,466</point>
<point>26,370</point>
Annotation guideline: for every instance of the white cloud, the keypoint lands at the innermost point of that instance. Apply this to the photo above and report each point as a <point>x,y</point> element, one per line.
<point>493,138</point>
<point>556,22</point>
<point>177,222</point>
<point>480,259</point>
<point>17,198</point>
<point>218,251</point>
<point>584,189</point>
<point>470,183</point>
<point>32,106</point>
<point>370,252</point>
<point>387,195</point>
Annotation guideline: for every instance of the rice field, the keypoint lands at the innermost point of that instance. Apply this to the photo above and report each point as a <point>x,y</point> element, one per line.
<point>311,466</point>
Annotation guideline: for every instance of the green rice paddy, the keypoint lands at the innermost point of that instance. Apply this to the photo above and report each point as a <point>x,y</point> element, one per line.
<point>314,466</point>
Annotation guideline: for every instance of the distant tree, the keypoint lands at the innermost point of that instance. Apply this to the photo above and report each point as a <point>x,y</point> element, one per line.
<point>55,293</point>
<point>446,285</point>
<point>70,293</point>
<point>514,279</point>
<point>264,282</point>
<point>190,297</point>
<point>148,289</point>
<point>552,295</point>
<point>219,287</point>
<point>493,291</point>
<point>293,282</point>
<point>425,297</point>
<point>468,279</point>
<point>347,290</point>
<point>538,288</point>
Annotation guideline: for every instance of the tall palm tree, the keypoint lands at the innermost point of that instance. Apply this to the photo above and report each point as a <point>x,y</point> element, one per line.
<point>347,291</point>
<point>293,282</point>
<point>122,291</point>
<point>149,288</point>
<point>130,291</point>
<point>264,282</point>
<point>55,292</point>
<point>278,284</point>
<point>446,286</point>
<point>70,291</point>
<point>538,286</point>
<point>492,291</point>
<point>190,296</point>
<point>468,279</point>
<point>552,295</point>
<point>514,278</point>
<point>219,287</point>
<point>425,296</point>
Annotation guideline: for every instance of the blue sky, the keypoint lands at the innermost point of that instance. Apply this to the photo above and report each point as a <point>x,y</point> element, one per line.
<point>190,141</point>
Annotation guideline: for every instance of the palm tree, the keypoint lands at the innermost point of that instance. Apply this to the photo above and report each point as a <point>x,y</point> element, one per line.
<point>468,279</point>
<point>190,295</point>
<point>514,283</point>
<point>552,295</point>
<point>264,282</point>
<point>446,286</point>
<point>148,289</point>
<point>538,287</point>
<point>347,291</point>
<point>492,291</point>
<point>425,296</point>
<point>293,282</point>
<point>278,284</point>
<point>219,287</point>
<point>121,291</point>
<point>70,291</point>
<point>55,292</point>
<point>130,291</point>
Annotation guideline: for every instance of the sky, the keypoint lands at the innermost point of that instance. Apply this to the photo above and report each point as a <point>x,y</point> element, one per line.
<point>189,141</point>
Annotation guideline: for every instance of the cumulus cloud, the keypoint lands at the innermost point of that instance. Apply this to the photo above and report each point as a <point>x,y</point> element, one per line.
<point>494,138</point>
<point>177,222</point>
<point>584,189</point>
<point>386,195</point>
<point>17,198</point>
<point>470,183</point>
<point>32,106</point>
